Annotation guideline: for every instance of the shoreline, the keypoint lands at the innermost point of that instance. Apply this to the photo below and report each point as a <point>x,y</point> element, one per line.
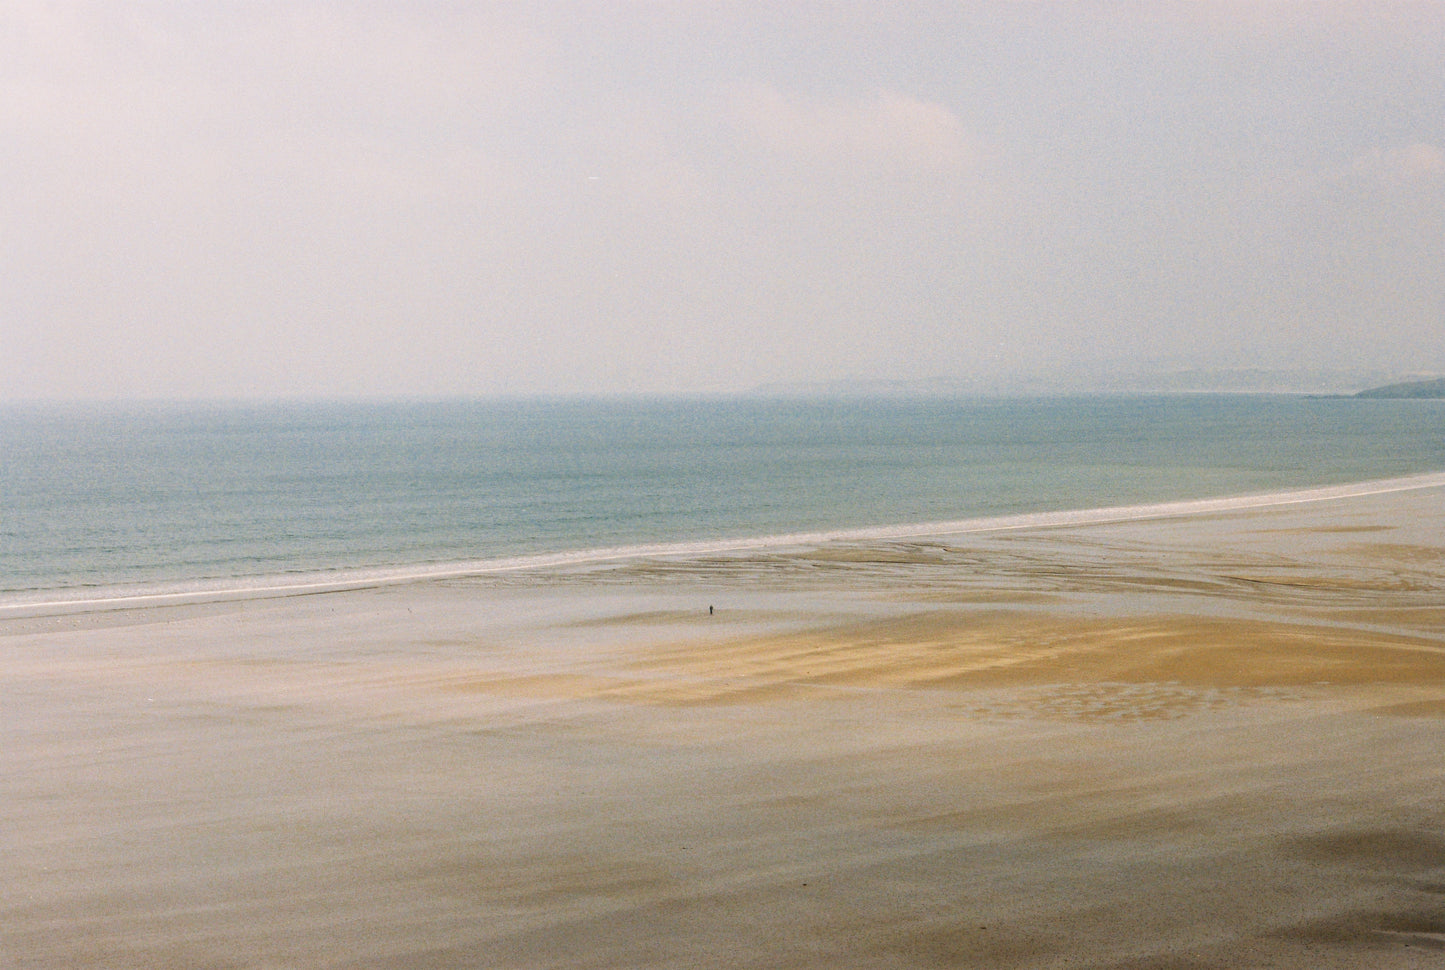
<point>46,602</point>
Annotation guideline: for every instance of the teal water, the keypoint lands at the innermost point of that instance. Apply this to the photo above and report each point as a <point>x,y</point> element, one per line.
<point>125,499</point>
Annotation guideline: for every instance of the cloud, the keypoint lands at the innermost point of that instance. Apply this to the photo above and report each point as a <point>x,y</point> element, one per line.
<point>885,129</point>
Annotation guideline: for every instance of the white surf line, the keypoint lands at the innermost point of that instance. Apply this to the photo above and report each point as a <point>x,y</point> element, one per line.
<point>1004,523</point>
<point>1166,510</point>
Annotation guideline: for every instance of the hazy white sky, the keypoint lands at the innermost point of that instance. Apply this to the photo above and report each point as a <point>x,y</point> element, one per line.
<point>426,198</point>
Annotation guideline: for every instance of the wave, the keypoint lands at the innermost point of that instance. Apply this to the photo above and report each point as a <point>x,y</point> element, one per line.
<point>108,598</point>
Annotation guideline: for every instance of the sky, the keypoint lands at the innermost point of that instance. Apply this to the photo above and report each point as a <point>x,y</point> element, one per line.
<point>423,199</point>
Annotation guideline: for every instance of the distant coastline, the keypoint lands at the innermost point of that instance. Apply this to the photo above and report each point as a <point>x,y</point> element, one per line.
<point>1316,382</point>
<point>1433,388</point>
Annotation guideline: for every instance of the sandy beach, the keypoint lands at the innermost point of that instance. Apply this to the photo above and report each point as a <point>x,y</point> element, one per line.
<point>1213,741</point>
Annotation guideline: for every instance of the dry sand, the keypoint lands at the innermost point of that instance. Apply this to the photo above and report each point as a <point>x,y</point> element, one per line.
<point>1201,742</point>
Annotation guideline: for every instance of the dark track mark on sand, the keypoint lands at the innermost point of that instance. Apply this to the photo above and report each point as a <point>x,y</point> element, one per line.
<point>1395,851</point>
<point>1430,708</point>
<point>1424,929</point>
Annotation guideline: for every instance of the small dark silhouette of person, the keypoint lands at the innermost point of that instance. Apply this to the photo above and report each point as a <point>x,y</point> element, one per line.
<point>709,611</point>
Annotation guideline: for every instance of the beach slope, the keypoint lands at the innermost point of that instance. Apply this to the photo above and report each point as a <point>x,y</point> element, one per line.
<point>1188,742</point>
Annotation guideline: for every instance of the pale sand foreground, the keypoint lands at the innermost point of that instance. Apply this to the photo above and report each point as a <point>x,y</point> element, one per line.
<point>1210,742</point>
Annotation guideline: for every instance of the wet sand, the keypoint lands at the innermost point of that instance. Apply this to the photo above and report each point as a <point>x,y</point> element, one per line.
<point>1214,741</point>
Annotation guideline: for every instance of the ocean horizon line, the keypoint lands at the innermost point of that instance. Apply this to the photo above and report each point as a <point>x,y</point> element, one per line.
<point>87,599</point>
<point>823,391</point>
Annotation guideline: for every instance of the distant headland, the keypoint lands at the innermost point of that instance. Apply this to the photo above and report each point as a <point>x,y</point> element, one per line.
<point>1310,382</point>
<point>1433,388</point>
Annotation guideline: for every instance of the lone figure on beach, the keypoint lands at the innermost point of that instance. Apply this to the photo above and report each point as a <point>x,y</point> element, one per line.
<point>709,610</point>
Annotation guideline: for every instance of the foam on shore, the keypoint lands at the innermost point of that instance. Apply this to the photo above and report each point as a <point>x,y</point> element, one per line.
<point>101,598</point>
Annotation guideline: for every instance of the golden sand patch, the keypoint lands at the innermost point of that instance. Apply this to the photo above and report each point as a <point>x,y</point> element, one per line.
<point>1399,552</point>
<point>1118,702</point>
<point>1056,666</point>
<point>982,649</point>
<point>1428,620</point>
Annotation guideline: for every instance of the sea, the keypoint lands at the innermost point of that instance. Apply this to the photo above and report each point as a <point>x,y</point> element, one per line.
<point>122,503</point>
